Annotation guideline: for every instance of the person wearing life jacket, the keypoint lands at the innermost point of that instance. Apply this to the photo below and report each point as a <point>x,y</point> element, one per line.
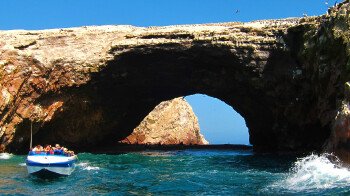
<point>36,148</point>
<point>58,149</point>
<point>48,149</point>
<point>51,151</point>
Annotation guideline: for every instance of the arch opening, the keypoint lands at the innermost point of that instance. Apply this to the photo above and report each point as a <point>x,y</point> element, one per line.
<point>191,120</point>
<point>219,123</point>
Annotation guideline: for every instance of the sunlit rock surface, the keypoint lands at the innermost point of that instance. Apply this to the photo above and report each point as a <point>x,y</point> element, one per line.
<point>171,122</point>
<point>90,86</point>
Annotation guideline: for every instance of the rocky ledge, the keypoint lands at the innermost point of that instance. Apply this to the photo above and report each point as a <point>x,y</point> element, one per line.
<point>92,85</point>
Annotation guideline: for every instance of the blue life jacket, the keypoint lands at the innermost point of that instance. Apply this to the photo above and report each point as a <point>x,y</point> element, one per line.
<point>58,151</point>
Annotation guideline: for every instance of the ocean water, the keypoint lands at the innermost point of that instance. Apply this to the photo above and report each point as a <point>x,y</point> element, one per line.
<point>185,172</point>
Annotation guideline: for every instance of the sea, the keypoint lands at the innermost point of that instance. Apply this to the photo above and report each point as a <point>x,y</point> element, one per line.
<point>183,172</point>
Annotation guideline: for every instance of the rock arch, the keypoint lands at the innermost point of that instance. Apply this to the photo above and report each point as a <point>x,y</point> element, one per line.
<point>90,85</point>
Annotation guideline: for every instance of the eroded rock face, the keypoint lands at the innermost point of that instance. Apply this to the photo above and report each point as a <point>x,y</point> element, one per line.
<point>171,122</point>
<point>93,85</point>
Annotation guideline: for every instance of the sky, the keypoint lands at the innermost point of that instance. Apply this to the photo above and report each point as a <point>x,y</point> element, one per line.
<point>219,123</point>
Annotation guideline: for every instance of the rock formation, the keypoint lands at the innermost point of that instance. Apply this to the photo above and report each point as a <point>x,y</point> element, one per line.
<point>171,122</point>
<point>92,85</point>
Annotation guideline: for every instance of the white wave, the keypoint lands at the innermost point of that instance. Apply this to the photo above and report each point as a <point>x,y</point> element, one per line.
<point>316,172</point>
<point>5,156</point>
<point>135,171</point>
<point>91,168</point>
<point>82,164</point>
<point>213,171</point>
<point>22,164</point>
<point>86,166</point>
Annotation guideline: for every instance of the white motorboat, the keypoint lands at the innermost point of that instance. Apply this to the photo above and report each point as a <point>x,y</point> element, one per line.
<point>41,163</point>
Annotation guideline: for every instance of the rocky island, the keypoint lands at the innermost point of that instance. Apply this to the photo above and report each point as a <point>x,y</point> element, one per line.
<point>170,123</point>
<point>92,85</point>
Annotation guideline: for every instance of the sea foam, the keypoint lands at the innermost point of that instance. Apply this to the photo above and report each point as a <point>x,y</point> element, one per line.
<point>315,172</point>
<point>5,156</point>
<point>86,166</point>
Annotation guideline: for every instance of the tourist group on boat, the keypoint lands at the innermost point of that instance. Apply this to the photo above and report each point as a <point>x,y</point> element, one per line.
<point>50,150</point>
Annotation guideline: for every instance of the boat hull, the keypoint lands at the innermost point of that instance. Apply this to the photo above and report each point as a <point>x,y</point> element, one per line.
<point>54,164</point>
<point>38,170</point>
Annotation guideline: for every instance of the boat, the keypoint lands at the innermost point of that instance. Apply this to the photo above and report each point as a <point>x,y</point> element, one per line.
<point>43,163</point>
<point>51,162</point>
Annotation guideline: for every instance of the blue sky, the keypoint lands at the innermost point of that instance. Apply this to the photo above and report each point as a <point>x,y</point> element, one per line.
<point>42,14</point>
<point>219,122</point>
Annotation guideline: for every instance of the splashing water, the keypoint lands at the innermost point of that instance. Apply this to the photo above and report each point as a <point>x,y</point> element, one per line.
<point>5,156</point>
<point>86,166</point>
<point>185,172</point>
<point>315,172</point>
<point>91,168</point>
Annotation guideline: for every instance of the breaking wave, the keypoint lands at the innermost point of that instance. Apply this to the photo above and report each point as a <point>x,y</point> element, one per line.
<point>5,156</point>
<point>314,173</point>
<point>86,166</point>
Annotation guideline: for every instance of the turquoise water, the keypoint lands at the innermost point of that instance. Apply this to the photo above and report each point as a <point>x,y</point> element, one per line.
<point>186,172</point>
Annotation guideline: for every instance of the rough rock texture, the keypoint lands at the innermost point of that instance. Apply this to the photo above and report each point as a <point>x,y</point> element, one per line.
<point>326,53</point>
<point>171,122</point>
<point>340,137</point>
<point>91,85</point>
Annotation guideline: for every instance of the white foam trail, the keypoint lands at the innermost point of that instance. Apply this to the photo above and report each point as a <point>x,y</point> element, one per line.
<point>86,166</point>
<point>5,156</point>
<point>82,164</point>
<point>316,172</point>
<point>91,168</point>
<point>22,164</point>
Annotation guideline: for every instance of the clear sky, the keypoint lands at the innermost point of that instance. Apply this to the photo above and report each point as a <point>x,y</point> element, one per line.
<point>219,122</point>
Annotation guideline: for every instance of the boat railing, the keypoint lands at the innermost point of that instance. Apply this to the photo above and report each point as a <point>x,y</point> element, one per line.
<point>48,153</point>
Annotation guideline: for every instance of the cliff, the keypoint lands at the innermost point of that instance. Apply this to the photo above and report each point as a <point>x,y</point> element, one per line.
<point>92,85</point>
<point>171,122</point>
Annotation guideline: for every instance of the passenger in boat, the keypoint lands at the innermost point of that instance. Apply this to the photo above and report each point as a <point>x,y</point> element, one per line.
<point>51,150</point>
<point>58,149</point>
<point>41,149</point>
<point>71,153</point>
<point>48,149</point>
<point>36,148</point>
<point>67,152</point>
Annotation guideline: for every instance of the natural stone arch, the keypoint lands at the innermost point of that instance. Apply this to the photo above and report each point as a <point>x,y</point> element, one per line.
<point>104,80</point>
